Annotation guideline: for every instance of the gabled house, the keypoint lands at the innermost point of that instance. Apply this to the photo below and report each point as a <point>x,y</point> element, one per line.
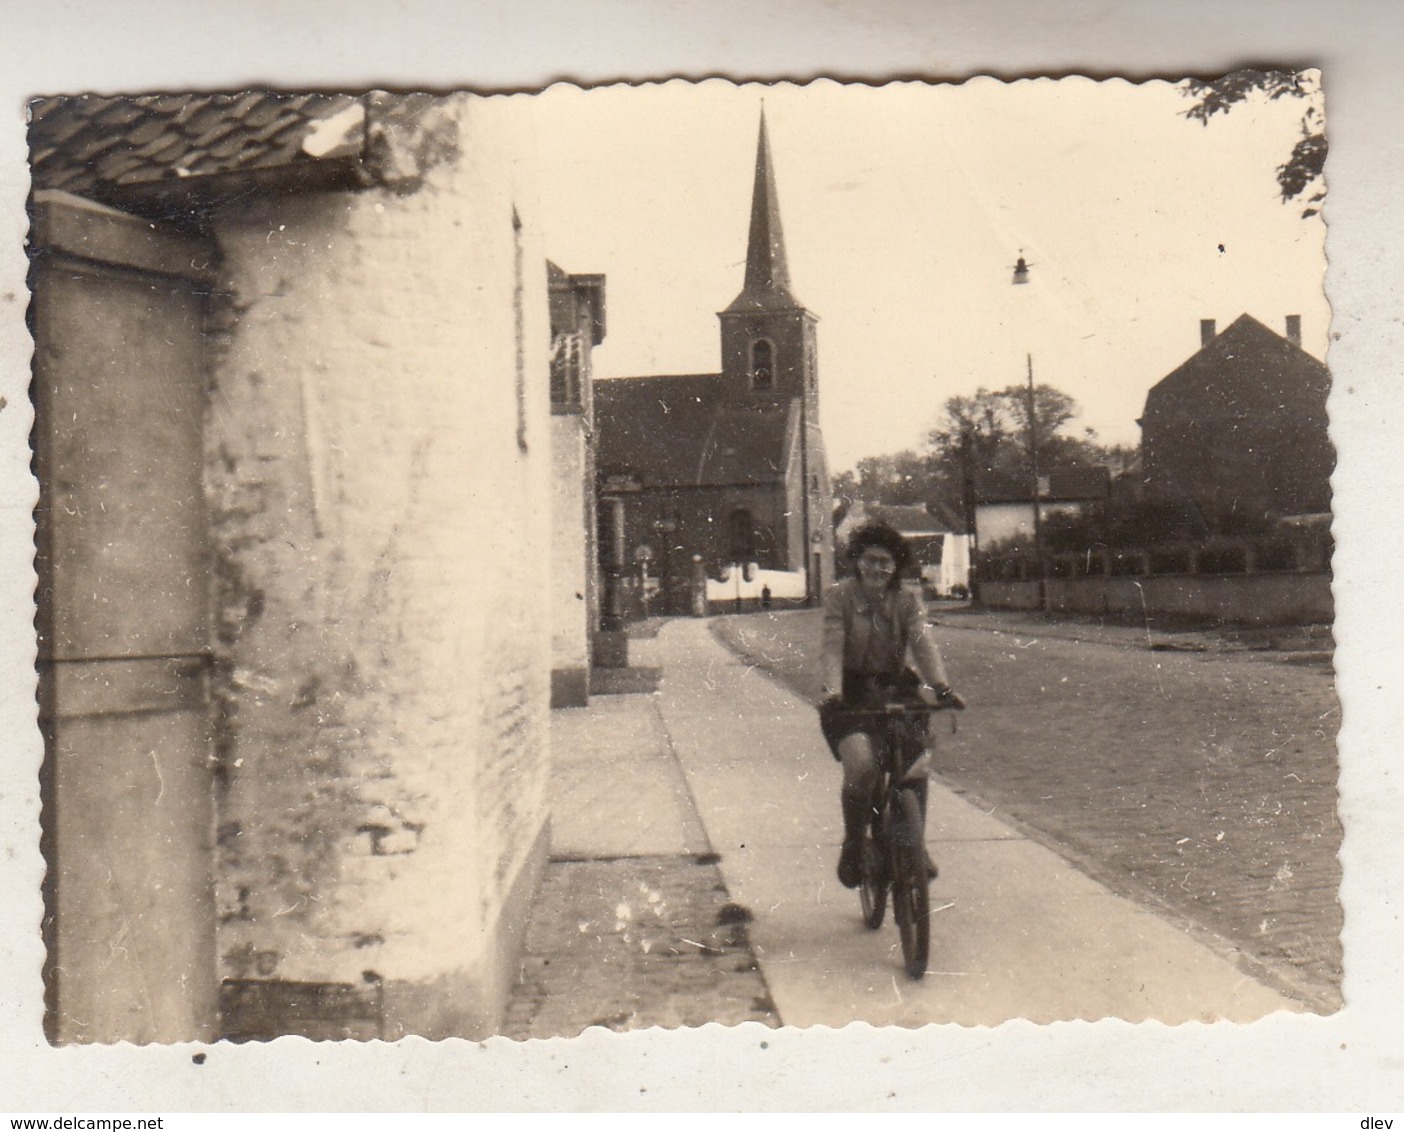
<point>941,548</point>
<point>1240,428</point>
<point>1004,504</point>
<point>701,471</point>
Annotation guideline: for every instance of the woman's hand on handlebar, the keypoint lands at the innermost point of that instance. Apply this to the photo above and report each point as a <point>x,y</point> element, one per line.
<point>945,697</point>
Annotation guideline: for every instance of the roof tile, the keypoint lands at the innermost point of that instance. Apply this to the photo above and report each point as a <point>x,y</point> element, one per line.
<point>112,165</point>
<point>161,147</point>
<point>266,111</point>
<point>91,145</point>
<point>206,137</point>
<point>166,104</point>
<point>94,145</point>
<point>147,130</point>
<point>183,114</point>
<point>117,113</point>
<point>40,108</point>
<point>235,143</point>
<point>58,132</point>
<point>245,103</point>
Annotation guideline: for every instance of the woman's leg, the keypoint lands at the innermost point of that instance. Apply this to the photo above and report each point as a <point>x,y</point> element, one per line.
<point>859,781</point>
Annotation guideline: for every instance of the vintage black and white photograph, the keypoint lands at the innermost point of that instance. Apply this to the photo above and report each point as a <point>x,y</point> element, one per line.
<point>684,553</point>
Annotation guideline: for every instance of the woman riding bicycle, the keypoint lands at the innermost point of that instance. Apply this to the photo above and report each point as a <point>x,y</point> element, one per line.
<point>875,631</point>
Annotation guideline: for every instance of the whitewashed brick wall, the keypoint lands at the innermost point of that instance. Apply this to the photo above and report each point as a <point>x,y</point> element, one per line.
<point>571,545</point>
<point>380,496</point>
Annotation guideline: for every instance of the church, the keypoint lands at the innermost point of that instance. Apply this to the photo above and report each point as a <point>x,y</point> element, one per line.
<point>706,473</point>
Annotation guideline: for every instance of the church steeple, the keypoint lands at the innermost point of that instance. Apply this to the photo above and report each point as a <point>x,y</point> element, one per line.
<point>769,359</point>
<point>767,336</point>
<point>767,286</point>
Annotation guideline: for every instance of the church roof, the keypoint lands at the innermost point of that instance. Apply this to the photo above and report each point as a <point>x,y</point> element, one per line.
<point>683,431</point>
<point>767,285</point>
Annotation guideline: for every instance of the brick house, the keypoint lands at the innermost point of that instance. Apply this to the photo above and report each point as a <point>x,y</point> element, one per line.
<point>1241,427</point>
<point>702,470</point>
<point>294,440</point>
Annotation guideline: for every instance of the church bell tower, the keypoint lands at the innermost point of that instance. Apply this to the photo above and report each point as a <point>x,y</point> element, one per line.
<point>769,363</point>
<point>767,335</point>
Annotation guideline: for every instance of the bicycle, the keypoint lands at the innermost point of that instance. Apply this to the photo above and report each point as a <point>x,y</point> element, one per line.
<point>894,856</point>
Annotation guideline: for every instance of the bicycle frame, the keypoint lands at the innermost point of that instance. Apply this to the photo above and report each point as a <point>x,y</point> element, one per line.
<point>895,856</point>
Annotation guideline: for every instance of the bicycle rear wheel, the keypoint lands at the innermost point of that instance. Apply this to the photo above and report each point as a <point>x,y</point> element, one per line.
<point>911,903</point>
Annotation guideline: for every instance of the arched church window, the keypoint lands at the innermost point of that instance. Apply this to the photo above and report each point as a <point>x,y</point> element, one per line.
<point>762,365</point>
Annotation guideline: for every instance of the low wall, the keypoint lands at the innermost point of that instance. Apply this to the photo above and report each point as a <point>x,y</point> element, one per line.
<point>1252,599</point>
<point>729,588</point>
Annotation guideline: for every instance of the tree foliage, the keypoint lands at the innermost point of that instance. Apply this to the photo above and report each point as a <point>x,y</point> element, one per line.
<point>980,434</point>
<point>989,432</point>
<point>1300,176</point>
<point>900,478</point>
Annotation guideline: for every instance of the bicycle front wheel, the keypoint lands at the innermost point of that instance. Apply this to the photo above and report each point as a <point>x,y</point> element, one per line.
<point>911,902</point>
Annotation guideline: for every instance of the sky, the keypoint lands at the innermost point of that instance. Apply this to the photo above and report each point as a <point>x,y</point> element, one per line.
<point>905,207</point>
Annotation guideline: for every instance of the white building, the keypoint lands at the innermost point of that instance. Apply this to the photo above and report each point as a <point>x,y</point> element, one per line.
<point>942,550</point>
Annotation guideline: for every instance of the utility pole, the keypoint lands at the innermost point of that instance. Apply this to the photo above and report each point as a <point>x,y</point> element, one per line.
<point>1034,493</point>
<point>1021,277</point>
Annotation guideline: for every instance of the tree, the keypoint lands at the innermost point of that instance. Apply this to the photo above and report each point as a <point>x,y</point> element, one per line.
<point>1300,176</point>
<point>900,478</point>
<point>976,431</point>
<point>989,432</point>
<point>980,434</point>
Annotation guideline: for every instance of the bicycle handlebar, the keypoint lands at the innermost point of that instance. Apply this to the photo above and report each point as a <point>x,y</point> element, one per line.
<point>949,704</point>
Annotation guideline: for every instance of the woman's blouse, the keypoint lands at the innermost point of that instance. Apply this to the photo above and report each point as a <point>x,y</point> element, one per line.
<point>874,635</point>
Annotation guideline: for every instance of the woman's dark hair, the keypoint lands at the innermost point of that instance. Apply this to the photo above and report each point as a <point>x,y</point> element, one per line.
<point>880,534</point>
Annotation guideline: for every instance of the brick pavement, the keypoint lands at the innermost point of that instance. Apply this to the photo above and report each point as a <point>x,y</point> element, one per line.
<point>632,942</point>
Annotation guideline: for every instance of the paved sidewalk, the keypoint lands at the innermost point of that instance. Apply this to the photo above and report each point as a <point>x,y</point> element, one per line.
<point>616,789</point>
<point>633,925</point>
<point>1018,931</point>
<point>695,831</point>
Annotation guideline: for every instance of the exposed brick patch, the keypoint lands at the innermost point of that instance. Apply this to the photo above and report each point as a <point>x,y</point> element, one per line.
<point>263,1009</point>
